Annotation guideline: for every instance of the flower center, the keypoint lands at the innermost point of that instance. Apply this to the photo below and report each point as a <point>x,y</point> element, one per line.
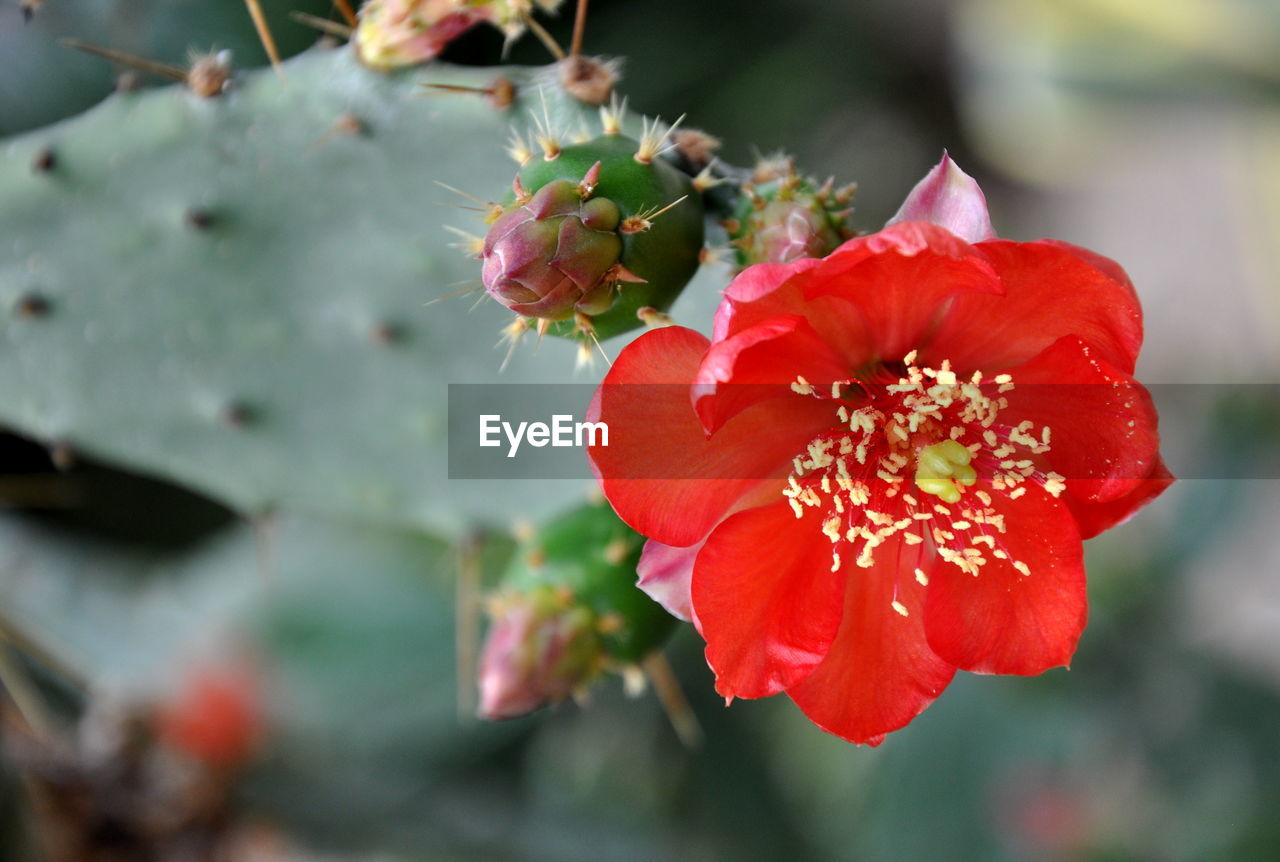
<point>943,432</point>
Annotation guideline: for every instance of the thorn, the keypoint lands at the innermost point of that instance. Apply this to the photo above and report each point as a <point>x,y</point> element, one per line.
<point>31,306</point>
<point>611,117</point>
<point>579,28</point>
<point>324,25</point>
<point>162,69</point>
<point>653,318</point>
<point>544,37</point>
<point>582,323</point>
<point>705,180</point>
<point>501,93</point>
<point>544,326</point>
<point>824,193</point>
<point>45,161</point>
<point>642,221</point>
<point>652,144</point>
<point>696,146</point>
<point>471,245</point>
<point>512,333</point>
<point>472,287</point>
<point>493,209</point>
<point>665,684</point>
<point>264,35</point>
<point>348,14</point>
<point>543,135</point>
<point>845,194</point>
<point>519,150</point>
<point>197,218</point>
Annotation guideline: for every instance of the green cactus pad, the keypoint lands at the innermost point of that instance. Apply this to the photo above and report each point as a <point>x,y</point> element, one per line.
<point>231,292</point>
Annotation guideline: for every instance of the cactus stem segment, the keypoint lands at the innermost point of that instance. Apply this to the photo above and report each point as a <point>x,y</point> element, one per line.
<point>653,144</point>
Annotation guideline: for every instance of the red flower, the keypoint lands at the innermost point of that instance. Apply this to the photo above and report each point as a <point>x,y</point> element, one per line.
<point>931,422</point>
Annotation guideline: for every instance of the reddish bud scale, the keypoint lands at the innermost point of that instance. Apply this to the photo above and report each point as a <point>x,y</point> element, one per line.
<point>583,236</point>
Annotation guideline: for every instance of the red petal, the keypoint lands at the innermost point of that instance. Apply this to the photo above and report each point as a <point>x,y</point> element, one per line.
<point>759,292</point>
<point>879,672</point>
<point>766,600</point>
<point>769,290</point>
<point>1102,422</point>
<point>1093,518</point>
<point>760,363</point>
<point>1002,621</point>
<point>1051,290</point>
<point>900,278</point>
<point>662,474</point>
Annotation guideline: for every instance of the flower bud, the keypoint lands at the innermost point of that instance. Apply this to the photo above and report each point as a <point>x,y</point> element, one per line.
<point>568,610</point>
<point>784,217</point>
<point>555,255</point>
<point>542,647</point>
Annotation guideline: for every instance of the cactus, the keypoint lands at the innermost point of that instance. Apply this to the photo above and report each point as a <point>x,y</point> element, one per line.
<point>230,292</point>
<point>566,611</point>
<point>782,216</point>
<point>596,231</point>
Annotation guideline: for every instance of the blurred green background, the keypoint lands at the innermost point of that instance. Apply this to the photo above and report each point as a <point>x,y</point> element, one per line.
<point>1145,130</point>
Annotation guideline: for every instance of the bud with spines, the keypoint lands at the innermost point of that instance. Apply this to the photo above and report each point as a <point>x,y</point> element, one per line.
<point>783,216</point>
<point>593,232</point>
<point>566,612</point>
